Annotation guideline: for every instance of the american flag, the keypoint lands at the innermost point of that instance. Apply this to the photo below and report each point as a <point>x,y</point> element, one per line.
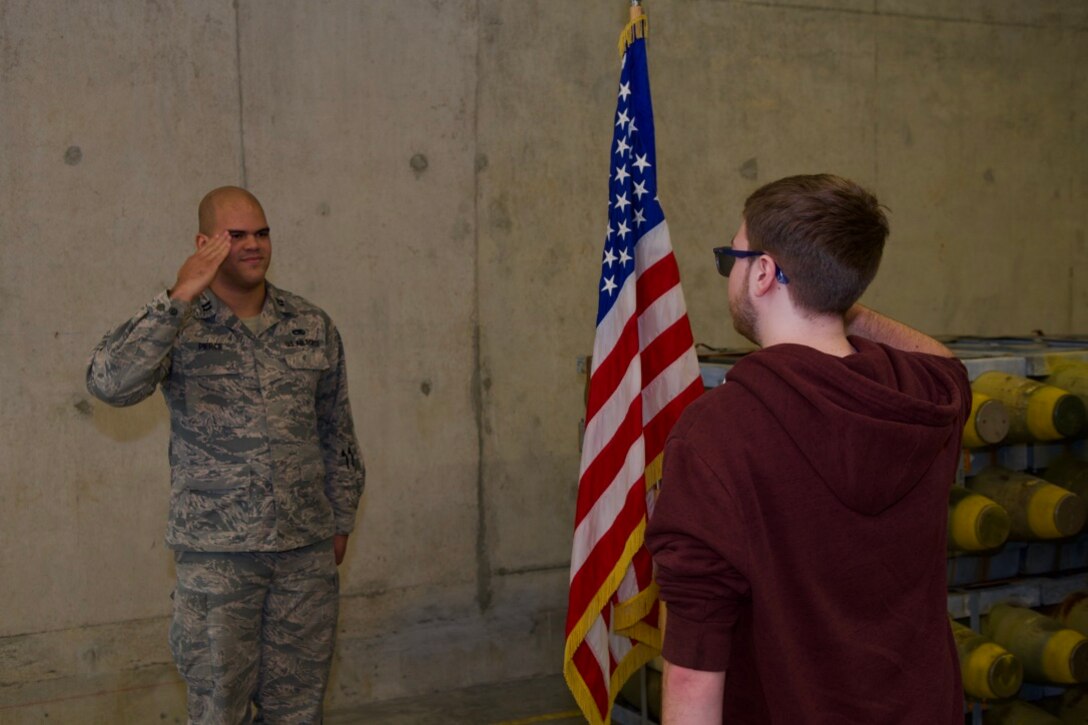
<point>644,372</point>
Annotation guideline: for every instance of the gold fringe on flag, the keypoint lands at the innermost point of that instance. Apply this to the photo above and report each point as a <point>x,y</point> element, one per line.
<point>647,644</point>
<point>637,28</point>
<point>627,621</point>
<point>654,470</point>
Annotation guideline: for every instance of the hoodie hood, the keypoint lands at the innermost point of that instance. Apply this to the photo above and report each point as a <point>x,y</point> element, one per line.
<point>870,424</point>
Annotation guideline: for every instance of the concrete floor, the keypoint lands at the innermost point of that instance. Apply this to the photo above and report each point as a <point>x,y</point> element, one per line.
<point>157,695</point>
<point>539,700</point>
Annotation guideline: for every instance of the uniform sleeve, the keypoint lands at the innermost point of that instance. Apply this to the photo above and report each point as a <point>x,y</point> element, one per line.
<point>133,358</point>
<point>697,539</point>
<point>344,470</point>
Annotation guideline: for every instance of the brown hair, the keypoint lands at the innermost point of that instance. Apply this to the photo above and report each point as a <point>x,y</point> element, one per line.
<point>825,232</point>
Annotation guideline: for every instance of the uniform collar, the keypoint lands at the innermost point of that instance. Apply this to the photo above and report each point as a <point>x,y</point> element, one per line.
<point>276,300</point>
<point>276,307</point>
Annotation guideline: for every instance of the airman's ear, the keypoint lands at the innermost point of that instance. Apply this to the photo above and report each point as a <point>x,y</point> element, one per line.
<point>201,240</point>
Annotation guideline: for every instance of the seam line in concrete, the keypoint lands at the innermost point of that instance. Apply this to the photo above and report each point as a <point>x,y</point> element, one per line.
<point>84,696</point>
<point>1072,292</point>
<point>910,16</point>
<point>876,115</point>
<point>483,567</point>
<point>82,627</point>
<point>532,569</point>
<point>547,717</point>
<point>241,103</point>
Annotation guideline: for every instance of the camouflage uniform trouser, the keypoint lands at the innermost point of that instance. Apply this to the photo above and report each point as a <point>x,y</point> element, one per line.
<point>253,633</point>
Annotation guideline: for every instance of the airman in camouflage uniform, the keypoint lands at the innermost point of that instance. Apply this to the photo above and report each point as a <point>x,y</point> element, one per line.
<point>265,470</point>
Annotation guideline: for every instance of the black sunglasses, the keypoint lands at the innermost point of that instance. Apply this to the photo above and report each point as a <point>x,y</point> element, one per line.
<point>726,257</point>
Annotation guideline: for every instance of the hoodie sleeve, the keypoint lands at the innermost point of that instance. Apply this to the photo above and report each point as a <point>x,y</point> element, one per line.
<point>959,372</point>
<point>696,536</point>
<point>951,384</point>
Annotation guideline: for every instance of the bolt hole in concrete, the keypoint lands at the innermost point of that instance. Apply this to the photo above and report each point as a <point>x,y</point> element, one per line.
<point>418,163</point>
<point>750,169</point>
<point>73,155</point>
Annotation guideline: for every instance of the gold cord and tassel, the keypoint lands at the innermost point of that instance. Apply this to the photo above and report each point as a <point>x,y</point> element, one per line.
<point>635,29</point>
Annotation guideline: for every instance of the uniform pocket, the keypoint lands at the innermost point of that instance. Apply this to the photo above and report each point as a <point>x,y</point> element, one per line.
<point>218,379</point>
<point>299,371</point>
<point>315,360</point>
<point>189,638</point>
<point>305,510</point>
<point>219,507</point>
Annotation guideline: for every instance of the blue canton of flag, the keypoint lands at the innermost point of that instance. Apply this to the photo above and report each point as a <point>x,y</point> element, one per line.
<point>633,208</point>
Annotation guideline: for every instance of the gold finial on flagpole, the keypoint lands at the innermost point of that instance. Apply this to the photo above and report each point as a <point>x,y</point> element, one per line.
<point>636,28</point>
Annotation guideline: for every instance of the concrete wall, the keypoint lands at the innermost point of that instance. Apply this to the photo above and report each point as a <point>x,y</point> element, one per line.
<point>434,174</point>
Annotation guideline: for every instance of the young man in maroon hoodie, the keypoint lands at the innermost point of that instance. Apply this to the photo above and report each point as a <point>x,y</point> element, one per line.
<point>799,537</point>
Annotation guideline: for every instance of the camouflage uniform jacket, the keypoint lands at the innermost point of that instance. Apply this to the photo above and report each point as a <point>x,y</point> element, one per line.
<point>263,455</point>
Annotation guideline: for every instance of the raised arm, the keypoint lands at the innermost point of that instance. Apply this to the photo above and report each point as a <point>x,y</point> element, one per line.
<point>872,325</point>
<point>133,358</point>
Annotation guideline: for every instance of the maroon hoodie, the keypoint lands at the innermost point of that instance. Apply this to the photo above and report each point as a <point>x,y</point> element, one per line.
<point>799,538</point>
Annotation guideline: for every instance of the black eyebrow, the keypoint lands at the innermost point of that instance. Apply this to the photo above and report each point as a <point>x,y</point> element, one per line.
<point>262,230</point>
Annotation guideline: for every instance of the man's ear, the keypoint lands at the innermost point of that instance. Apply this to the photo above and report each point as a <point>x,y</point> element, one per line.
<point>762,277</point>
<point>201,240</point>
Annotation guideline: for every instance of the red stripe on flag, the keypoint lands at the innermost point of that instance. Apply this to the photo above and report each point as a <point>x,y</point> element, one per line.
<point>656,281</point>
<point>590,670</point>
<point>610,371</point>
<point>600,474</point>
<point>657,430</point>
<point>651,284</point>
<point>674,341</point>
<point>600,562</point>
<point>642,564</point>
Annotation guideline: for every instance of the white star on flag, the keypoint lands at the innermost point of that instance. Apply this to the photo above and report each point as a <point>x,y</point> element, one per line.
<point>609,285</point>
<point>624,256</point>
<point>621,201</point>
<point>609,258</point>
<point>641,162</point>
<point>625,90</point>
<point>623,230</point>
<point>639,218</point>
<point>621,173</point>
<point>640,189</point>
<point>623,120</point>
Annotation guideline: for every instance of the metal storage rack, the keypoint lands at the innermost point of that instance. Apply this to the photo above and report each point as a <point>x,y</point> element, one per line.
<point>1032,574</point>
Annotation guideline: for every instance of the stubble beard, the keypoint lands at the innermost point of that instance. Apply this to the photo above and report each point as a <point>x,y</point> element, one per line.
<point>744,315</point>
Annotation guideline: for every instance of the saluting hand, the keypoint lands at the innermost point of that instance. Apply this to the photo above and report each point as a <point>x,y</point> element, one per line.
<point>200,268</point>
